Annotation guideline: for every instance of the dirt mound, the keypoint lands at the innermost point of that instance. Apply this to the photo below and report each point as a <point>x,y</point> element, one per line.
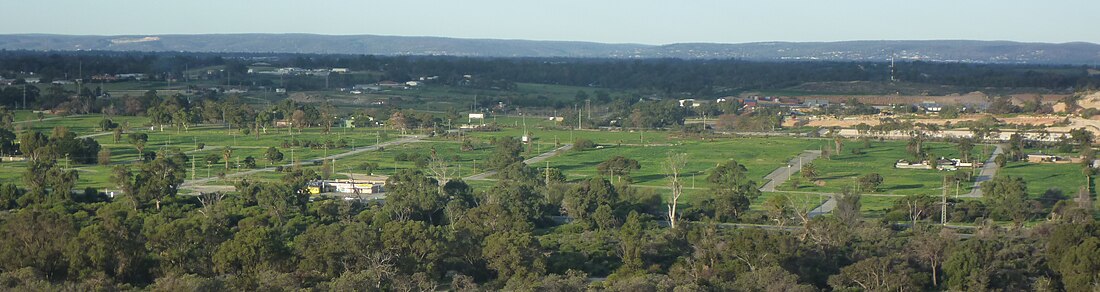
<point>1090,101</point>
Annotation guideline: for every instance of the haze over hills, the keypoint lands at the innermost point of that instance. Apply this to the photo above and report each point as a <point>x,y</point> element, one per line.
<point>933,50</point>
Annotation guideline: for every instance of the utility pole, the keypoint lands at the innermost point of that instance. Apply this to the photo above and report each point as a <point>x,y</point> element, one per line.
<point>548,174</point>
<point>24,95</point>
<point>578,115</point>
<point>943,207</point>
<point>192,167</point>
<point>588,105</point>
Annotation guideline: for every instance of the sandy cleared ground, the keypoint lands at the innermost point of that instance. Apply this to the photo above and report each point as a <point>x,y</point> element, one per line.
<point>874,120</point>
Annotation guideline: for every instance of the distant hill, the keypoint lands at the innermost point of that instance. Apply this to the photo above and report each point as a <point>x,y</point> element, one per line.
<point>934,50</point>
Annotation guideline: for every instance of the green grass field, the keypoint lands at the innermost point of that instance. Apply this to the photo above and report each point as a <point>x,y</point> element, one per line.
<point>759,155</point>
<point>215,138</point>
<point>1041,177</point>
<point>843,170</point>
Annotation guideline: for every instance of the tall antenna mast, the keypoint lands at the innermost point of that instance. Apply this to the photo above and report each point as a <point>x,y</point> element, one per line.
<point>893,69</point>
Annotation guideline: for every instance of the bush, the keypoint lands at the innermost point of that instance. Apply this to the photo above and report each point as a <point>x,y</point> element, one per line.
<point>583,144</point>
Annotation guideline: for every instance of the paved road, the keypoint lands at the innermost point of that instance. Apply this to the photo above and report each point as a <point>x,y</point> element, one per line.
<point>199,184</point>
<point>781,174</point>
<point>530,161</point>
<point>825,207</point>
<point>989,170</point>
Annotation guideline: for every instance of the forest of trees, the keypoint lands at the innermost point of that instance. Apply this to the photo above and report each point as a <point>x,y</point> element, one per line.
<point>526,232</point>
<point>702,78</point>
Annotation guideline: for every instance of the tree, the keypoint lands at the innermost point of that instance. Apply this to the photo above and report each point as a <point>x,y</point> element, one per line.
<point>398,121</point>
<point>877,274</point>
<point>1081,136</point>
<point>965,146</point>
<point>771,279</point>
<point>582,201</point>
<point>618,166</point>
<point>273,155</point>
<point>114,245</point>
<point>250,162</point>
<point>514,255</point>
<point>809,171</point>
<point>36,238</point>
<point>848,207</point>
<point>415,196</point>
<point>1007,198</point>
<point>1001,160</point>
<point>632,240</point>
<point>915,147</point>
<point>138,140</point>
<point>104,156</point>
<point>107,125</point>
<point>1079,265</point>
<point>931,247</point>
<point>299,119</point>
<point>250,250</point>
<point>227,152</point>
<point>35,146</point>
<point>870,181</point>
<point>778,207</point>
<point>674,165</point>
<point>733,190</point>
<point>155,180</point>
<point>506,152</point>
<point>212,158</point>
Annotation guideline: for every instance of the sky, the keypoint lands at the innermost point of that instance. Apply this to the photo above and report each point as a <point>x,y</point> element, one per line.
<point>607,21</point>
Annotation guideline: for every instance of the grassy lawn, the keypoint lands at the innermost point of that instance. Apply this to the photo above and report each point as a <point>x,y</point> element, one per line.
<point>215,138</point>
<point>843,170</point>
<point>1041,177</point>
<point>876,206</point>
<point>551,135</point>
<point>808,199</point>
<point>759,155</point>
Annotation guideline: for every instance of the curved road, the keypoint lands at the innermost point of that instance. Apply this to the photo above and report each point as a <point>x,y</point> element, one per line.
<point>529,161</point>
<point>198,184</point>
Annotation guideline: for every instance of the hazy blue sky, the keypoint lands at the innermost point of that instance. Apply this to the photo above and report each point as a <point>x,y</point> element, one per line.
<point>638,21</point>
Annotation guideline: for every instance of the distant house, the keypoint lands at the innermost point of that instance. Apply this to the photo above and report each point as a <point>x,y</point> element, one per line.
<point>280,90</point>
<point>1044,158</point>
<point>414,83</point>
<point>131,76</point>
<point>340,70</point>
<point>905,164</point>
<point>366,87</point>
<point>688,102</point>
<point>480,116</point>
<point>33,80</point>
<point>372,185</point>
<point>7,82</point>
<point>930,107</point>
<point>390,84</point>
<point>104,78</point>
<point>815,102</point>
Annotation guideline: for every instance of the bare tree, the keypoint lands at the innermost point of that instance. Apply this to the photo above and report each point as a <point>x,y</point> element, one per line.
<point>208,201</point>
<point>803,206</point>
<point>674,165</point>
<point>441,168</point>
<point>931,247</point>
